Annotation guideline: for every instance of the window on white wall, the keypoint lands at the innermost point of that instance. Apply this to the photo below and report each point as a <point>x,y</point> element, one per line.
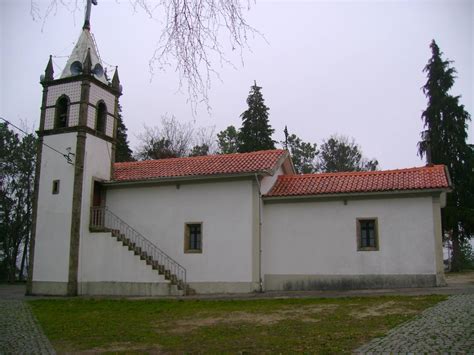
<point>193,237</point>
<point>367,234</point>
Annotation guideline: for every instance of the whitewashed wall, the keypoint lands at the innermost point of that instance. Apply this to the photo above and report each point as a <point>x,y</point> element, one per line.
<point>53,228</point>
<point>96,166</point>
<point>225,210</point>
<point>319,237</point>
<point>103,259</point>
<point>267,182</point>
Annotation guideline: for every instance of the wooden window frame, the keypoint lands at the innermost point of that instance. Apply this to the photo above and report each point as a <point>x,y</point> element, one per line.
<point>359,234</point>
<point>187,236</point>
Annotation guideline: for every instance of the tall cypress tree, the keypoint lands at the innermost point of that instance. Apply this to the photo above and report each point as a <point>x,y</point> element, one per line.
<point>122,150</point>
<point>256,132</point>
<point>444,142</point>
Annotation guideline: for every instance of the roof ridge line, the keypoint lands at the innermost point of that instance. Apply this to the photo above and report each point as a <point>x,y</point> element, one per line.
<point>361,173</point>
<point>259,152</point>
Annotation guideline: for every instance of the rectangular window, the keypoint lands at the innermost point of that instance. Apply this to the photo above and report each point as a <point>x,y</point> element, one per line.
<point>55,187</point>
<point>193,238</point>
<point>367,234</point>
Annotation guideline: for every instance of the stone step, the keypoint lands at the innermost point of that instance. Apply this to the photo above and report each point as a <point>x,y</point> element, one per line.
<point>174,279</point>
<point>179,284</point>
<point>189,291</point>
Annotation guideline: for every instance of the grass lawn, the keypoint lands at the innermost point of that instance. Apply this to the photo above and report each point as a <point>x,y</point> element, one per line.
<point>270,325</point>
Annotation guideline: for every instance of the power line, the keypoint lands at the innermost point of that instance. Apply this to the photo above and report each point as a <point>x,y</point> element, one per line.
<point>67,156</point>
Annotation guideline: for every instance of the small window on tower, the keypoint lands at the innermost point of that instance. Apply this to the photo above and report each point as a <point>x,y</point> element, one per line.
<point>55,187</point>
<point>62,111</point>
<point>101,117</point>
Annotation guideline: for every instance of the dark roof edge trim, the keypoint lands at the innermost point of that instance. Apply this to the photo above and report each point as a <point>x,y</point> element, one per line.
<point>184,178</point>
<point>358,194</point>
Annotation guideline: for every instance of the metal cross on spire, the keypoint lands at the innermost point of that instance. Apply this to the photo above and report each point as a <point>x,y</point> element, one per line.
<point>87,23</point>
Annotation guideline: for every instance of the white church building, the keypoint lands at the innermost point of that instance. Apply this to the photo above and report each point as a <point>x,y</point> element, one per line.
<point>212,224</point>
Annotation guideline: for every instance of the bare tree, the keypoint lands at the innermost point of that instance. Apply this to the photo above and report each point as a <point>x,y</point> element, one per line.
<point>205,141</point>
<point>191,35</point>
<point>173,139</point>
<point>339,153</point>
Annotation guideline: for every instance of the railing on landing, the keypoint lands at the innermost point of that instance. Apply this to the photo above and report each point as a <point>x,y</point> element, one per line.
<point>104,219</point>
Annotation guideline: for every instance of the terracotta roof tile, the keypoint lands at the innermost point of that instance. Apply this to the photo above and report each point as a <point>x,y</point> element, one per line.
<point>255,162</point>
<point>430,177</point>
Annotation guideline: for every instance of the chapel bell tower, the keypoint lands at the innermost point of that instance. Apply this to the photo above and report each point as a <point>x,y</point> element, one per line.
<point>76,152</point>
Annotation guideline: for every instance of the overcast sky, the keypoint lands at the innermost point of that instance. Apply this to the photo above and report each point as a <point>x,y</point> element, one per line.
<point>347,67</point>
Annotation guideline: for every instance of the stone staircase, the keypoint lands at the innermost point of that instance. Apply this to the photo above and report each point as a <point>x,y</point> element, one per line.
<point>103,220</point>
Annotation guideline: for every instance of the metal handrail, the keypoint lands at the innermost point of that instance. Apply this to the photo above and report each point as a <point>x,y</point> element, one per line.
<point>103,218</point>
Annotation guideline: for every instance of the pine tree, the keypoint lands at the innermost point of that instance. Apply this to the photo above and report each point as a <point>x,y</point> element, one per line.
<point>122,150</point>
<point>303,154</point>
<point>444,142</point>
<point>228,140</point>
<point>256,132</point>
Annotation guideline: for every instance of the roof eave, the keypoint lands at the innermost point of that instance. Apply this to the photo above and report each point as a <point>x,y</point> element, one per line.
<point>448,177</point>
<point>281,163</point>
<point>357,194</point>
<point>184,179</point>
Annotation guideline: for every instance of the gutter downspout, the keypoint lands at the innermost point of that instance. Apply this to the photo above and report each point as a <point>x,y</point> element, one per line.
<point>259,234</point>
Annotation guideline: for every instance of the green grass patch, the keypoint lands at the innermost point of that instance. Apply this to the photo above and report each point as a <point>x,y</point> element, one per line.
<point>268,325</point>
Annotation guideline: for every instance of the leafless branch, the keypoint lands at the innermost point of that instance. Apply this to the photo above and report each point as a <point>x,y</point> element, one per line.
<point>194,33</point>
<point>173,139</point>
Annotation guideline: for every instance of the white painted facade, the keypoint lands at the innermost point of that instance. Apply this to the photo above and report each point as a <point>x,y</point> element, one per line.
<point>225,209</point>
<point>54,211</point>
<point>318,238</point>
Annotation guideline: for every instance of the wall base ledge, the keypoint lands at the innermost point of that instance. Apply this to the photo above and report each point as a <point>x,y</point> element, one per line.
<point>113,288</point>
<point>49,288</point>
<point>274,282</point>
<point>223,287</point>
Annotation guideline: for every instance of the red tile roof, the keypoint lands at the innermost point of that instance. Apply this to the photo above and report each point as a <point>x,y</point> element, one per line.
<point>226,164</point>
<point>430,177</point>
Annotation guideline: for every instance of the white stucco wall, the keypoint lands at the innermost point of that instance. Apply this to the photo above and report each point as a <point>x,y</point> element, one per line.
<point>103,258</point>
<point>267,182</point>
<point>106,260</point>
<point>225,209</point>
<point>319,237</point>
<point>96,256</point>
<point>53,227</point>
